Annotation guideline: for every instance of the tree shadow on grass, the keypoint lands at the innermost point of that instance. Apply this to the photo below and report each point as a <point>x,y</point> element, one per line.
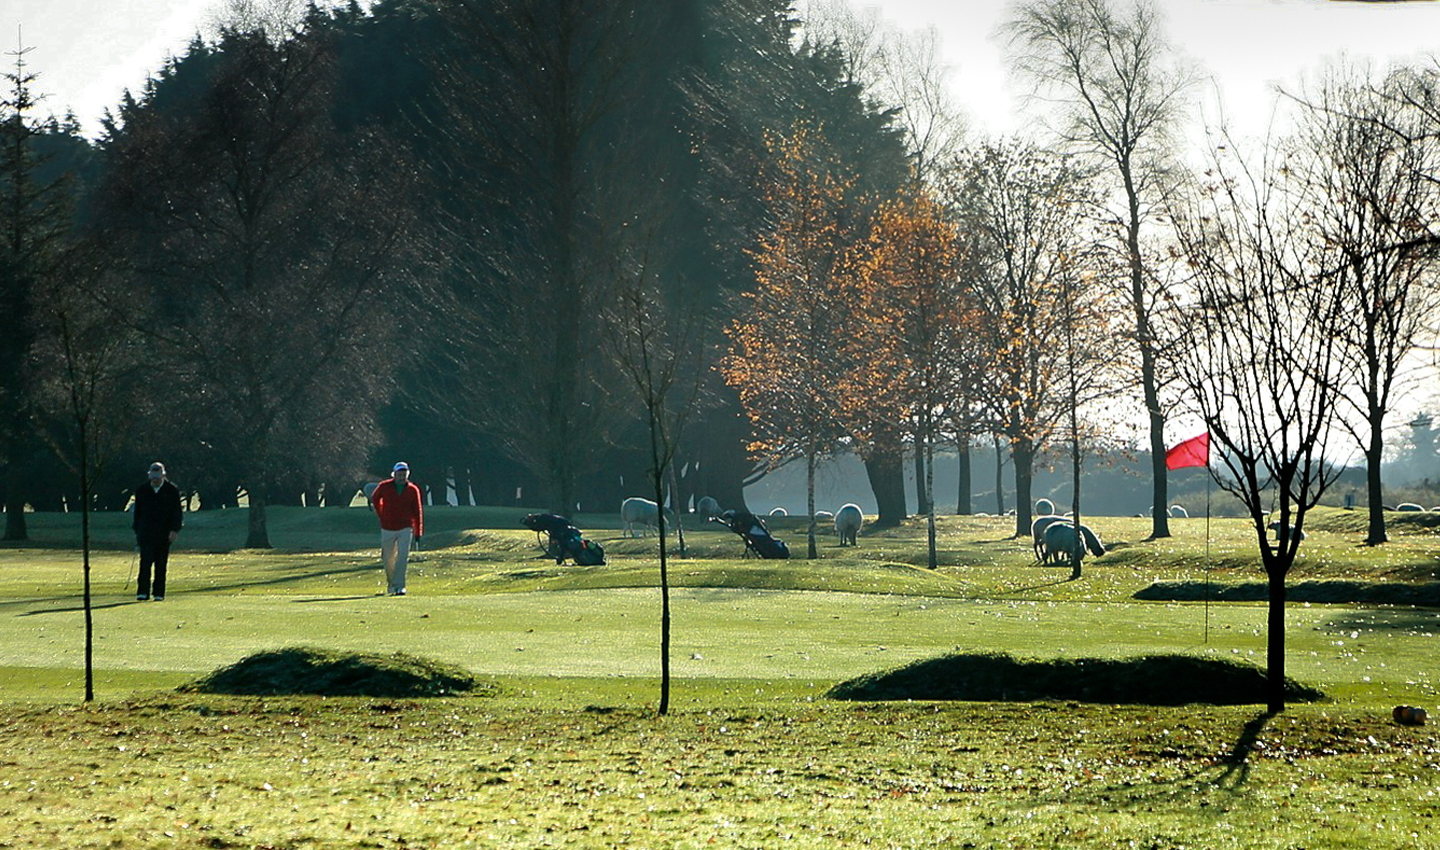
<point>93,607</point>
<point>1227,775</point>
<point>1235,767</point>
<point>1009,590</point>
<point>213,588</point>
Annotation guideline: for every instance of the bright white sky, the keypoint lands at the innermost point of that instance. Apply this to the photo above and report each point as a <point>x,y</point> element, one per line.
<point>88,51</point>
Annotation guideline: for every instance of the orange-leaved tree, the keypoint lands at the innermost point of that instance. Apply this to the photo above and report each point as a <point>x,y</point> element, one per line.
<point>787,340</point>
<point>914,350</point>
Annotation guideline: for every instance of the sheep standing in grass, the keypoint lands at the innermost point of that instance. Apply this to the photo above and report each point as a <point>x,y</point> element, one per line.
<point>1179,512</point>
<point>707,507</point>
<point>635,511</point>
<point>1037,534</point>
<point>848,521</point>
<point>1282,532</point>
<point>1060,541</point>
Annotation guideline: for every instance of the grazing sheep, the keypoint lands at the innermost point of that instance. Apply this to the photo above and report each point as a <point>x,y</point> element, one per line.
<point>1060,541</point>
<point>1408,506</point>
<point>848,521</point>
<point>707,507</point>
<point>779,511</point>
<point>636,511</point>
<point>1282,532</point>
<point>1179,512</point>
<point>819,515</point>
<point>1037,533</point>
<point>1044,507</point>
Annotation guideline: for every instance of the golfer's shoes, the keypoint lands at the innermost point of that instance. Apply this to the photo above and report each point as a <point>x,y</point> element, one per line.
<point>159,599</point>
<point>141,597</point>
<point>399,592</point>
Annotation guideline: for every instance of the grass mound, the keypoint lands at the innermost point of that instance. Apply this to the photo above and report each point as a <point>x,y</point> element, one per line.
<point>1148,680</point>
<point>301,670</point>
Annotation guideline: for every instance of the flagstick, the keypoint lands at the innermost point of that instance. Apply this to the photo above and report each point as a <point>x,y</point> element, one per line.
<point>1208,483</point>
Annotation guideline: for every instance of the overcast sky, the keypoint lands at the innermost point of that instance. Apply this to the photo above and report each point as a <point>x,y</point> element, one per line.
<point>88,51</point>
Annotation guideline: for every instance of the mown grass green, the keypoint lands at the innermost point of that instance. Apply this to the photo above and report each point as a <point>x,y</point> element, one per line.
<point>569,753</point>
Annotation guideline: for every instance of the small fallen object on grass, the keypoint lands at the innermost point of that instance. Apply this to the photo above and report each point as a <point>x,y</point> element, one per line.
<point>1409,715</point>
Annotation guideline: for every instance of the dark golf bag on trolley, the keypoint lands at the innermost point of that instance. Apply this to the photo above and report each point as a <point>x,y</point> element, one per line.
<point>565,540</point>
<point>757,537</point>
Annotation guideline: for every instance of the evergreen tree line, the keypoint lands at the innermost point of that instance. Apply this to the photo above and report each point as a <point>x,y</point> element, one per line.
<point>400,232</point>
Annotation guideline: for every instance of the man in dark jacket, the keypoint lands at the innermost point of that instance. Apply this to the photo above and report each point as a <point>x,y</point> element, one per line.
<point>157,521</point>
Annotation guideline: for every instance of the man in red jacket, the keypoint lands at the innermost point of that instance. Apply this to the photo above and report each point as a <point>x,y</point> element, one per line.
<point>397,502</point>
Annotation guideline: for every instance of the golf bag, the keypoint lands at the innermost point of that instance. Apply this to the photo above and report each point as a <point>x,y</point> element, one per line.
<point>565,540</point>
<point>757,537</point>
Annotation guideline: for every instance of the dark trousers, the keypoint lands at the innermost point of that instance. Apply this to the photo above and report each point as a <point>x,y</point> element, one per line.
<point>153,553</point>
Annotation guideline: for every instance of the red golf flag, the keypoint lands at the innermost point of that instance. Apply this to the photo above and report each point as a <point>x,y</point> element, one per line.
<point>1192,452</point>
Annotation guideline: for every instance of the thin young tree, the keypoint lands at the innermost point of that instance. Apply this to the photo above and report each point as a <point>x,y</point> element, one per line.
<point>1261,363</point>
<point>1110,75</point>
<point>657,335</point>
<point>88,373</point>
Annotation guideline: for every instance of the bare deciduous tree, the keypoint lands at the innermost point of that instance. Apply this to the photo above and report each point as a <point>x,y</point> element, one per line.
<point>1025,215</point>
<point>1366,171</point>
<point>1260,361</point>
<point>1110,75</point>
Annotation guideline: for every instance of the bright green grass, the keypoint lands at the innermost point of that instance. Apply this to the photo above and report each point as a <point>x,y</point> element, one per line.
<point>571,754</point>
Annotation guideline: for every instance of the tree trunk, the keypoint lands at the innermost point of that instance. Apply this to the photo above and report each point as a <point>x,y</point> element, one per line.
<point>1375,498</point>
<point>1275,643</point>
<point>812,552</point>
<point>886,471</point>
<point>929,492</point>
<point>15,526</point>
<point>922,499</point>
<point>999,479</point>
<point>1022,453</point>
<point>259,534</point>
<point>963,491</point>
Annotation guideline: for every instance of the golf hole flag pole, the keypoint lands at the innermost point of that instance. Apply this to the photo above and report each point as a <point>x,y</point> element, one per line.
<point>1196,452</point>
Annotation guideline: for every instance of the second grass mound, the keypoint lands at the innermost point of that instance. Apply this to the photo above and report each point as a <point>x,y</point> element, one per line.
<point>1147,680</point>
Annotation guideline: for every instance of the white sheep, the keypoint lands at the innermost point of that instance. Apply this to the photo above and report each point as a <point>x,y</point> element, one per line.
<point>707,507</point>
<point>642,512</point>
<point>779,511</point>
<point>1044,507</point>
<point>1282,533</point>
<point>1037,534</point>
<point>848,521</point>
<point>1060,541</point>
<point>1179,512</point>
